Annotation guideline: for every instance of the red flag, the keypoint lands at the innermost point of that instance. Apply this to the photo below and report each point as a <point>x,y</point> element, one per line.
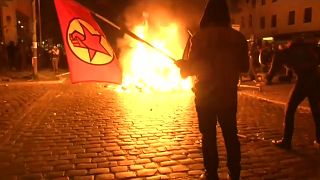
<point>90,56</point>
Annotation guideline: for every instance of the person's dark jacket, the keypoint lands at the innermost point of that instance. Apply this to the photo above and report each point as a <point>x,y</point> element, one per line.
<point>218,55</point>
<point>266,56</point>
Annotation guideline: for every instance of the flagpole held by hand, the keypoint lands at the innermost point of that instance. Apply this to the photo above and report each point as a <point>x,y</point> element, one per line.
<point>188,46</point>
<point>131,34</point>
<point>186,51</point>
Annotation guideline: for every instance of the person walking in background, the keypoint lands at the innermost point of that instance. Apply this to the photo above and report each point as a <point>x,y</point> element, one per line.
<point>276,66</point>
<point>21,56</point>
<point>265,56</point>
<point>55,54</point>
<point>254,60</point>
<point>217,62</point>
<point>302,58</point>
<point>3,57</point>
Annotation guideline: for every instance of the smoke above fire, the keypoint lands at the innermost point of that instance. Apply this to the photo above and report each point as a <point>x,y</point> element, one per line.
<point>161,12</point>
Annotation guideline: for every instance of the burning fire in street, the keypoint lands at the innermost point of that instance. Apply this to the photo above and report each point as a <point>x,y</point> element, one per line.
<point>145,69</point>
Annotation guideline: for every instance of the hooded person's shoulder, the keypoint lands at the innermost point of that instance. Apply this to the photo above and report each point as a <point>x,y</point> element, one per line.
<point>220,33</point>
<point>237,35</point>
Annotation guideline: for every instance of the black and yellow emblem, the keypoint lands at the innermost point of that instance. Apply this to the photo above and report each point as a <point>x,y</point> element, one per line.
<point>88,44</point>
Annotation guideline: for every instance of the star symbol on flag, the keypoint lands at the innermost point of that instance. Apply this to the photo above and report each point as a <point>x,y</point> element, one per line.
<point>89,41</point>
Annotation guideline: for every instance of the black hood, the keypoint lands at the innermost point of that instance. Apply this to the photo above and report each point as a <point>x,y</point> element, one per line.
<point>216,14</point>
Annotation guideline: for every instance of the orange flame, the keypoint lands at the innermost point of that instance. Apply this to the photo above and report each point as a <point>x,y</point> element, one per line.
<point>145,69</point>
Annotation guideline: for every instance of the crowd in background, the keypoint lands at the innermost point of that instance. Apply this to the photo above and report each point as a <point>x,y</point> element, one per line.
<point>15,57</point>
<point>18,57</point>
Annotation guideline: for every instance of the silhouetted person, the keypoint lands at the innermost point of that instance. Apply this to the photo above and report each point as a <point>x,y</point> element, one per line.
<point>28,54</point>
<point>21,56</point>
<point>55,56</point>
<point>303,60</point>
<point>254,60</point>
<point>276,66</point>
<point>217,57</point>
<point>265,56</point>
<point>317,49</point>
<point>11,50</point>
<point>3,56</point>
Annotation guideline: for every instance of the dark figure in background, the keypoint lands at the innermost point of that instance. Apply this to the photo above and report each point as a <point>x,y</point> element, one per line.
<point>11,50</point>
<point>28,52</point>
<point>217,57</point>
<point>21,56</point>
<point>3,56</point>
<point>276,66</point>
<point>254,61</point>
<point>55,56</point>
<point>265,56</point>
<point>302,58</point>
<point>317,49</point>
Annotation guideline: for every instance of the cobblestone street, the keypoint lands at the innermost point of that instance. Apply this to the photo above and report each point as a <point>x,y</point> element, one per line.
<point>89,131</point>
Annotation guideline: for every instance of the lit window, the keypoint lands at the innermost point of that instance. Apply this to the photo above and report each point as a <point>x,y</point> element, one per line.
<point>291,19</point>
<point>307,15</point>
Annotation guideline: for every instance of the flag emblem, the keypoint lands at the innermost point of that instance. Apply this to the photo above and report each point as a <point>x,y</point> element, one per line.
<point>89,54</point>
<point>88,44</point>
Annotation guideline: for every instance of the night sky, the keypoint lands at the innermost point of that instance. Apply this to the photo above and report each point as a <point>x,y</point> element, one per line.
<point>49,21</point>
<point>188,11</point>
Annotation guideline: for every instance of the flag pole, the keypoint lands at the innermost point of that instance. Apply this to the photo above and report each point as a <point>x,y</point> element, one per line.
<point>188,46</point>
<point>131,34</point>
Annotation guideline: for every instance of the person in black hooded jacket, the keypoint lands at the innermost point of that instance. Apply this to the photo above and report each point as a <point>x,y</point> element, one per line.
<point>217,56</point>
<point>303,60</point>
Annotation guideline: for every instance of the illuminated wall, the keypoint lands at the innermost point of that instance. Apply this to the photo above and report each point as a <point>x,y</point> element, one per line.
<point>16,20</point>
<point>276,17</point>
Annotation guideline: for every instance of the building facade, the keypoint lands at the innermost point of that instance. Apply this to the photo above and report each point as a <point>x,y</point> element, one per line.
<point>16,21</point>
<point>279,19</point>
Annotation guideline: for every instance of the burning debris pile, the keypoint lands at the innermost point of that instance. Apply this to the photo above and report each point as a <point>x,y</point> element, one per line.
<point>145,69</point>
